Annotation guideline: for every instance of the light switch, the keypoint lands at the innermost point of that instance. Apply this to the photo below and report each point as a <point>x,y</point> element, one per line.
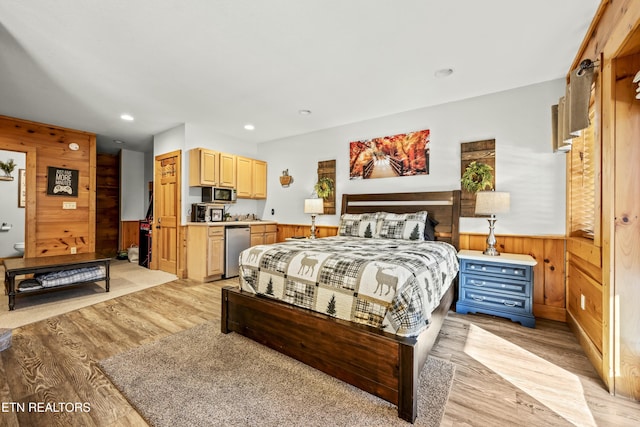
<point>68,205</point>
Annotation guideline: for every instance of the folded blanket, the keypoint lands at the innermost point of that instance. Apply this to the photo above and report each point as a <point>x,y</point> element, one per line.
<point>29,285</point>
<point>68,277</point>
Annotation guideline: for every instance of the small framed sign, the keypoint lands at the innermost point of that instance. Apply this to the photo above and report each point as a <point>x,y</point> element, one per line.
<point>62,182</point>
<point>22,188</point>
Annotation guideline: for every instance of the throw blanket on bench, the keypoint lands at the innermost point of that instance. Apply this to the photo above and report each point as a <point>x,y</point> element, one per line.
<point>67,277</point>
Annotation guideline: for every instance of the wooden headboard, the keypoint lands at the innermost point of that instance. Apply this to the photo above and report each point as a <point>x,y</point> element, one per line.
<point>443,206</point>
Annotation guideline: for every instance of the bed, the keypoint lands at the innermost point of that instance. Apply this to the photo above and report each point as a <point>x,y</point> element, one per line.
<point>381,352</point>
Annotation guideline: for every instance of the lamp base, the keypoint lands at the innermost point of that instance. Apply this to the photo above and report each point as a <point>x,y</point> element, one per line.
<point>491,239</point>
<point>491,251</point>
<point>313,227</point>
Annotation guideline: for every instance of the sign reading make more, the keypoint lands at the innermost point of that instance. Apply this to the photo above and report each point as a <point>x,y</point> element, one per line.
<point>62,182</point>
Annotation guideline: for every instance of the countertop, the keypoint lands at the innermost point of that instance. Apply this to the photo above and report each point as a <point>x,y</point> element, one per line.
<point>228,223</point>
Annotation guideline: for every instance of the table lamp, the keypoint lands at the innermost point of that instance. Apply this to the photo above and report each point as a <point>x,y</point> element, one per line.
<point>313,207</point>
<point>492,203</point>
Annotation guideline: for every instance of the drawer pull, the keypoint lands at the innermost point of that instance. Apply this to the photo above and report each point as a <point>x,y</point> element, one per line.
<point>473,282</point>
<point>484,268</point>
<point>477,298</point>
<point>504,270</point>
<point>509,303</point>
<point>473,267</point>
<point>516,272</point>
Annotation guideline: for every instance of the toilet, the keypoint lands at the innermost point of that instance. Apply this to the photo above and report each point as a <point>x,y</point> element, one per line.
<point>19,247</point>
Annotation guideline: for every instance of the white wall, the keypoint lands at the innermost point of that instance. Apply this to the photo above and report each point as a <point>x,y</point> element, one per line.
<point>519,120</point>
<point>133,188</point>
<point>10,212</point>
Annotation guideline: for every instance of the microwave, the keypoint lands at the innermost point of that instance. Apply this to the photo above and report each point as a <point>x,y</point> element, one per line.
<point>218,194</point>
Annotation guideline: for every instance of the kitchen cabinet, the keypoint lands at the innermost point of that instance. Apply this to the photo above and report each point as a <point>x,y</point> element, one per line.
<point>227,175</point>
<point>205,252</point>
<point>251,178</point>
<point>204,167</point>
<point>264,234</point>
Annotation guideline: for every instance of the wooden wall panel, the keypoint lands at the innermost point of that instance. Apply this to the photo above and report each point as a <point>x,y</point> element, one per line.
<point>626,243</point>
<point>130,234</point>
<point>291,230</point>
<point>482,152</point>
<point>107,204</point>
<point>49,146</point>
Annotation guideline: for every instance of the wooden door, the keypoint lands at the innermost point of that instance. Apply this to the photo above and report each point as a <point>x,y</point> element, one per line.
<point>166,212</point>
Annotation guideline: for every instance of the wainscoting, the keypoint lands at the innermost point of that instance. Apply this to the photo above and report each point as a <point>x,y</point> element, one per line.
<point>549,292</point>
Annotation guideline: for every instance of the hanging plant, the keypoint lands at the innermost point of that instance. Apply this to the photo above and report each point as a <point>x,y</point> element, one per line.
<point>8,167</point>
<point>477,177</point>
<point>324,187</point>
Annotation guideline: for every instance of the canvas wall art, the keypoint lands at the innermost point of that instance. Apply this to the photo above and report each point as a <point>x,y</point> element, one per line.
<point>405,154</point>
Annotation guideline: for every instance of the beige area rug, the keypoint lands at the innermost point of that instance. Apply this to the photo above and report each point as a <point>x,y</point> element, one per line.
<point>126,277</point>
<point>201,377</point>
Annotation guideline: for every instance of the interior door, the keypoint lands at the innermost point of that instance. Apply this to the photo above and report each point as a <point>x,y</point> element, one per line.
<point>167,173</point>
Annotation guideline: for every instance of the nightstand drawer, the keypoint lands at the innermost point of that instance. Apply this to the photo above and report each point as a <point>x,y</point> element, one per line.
<point>495,300</point>
<point>479,282</point>
<point>496,269</point>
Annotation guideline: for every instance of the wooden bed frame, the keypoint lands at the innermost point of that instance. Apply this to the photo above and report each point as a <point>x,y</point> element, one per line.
<point>380,363</point>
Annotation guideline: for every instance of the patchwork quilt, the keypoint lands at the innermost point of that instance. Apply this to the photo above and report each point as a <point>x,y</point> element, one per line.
<point>391,284</point>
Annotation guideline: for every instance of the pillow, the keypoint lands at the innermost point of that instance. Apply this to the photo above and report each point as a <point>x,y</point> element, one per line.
<point>430,228</point>
<point>403,226</point>
<point>358,225</point>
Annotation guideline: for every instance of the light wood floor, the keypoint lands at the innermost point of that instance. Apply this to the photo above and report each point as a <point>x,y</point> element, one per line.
<point>505,374</point>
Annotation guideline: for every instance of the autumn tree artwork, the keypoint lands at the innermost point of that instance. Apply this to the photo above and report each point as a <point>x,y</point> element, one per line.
<point>405,154</point>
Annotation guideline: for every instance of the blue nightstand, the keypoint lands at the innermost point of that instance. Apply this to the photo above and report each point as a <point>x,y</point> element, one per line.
<point>498,285</point>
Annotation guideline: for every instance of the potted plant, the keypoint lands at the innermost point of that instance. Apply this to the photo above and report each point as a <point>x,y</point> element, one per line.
<point>324,187</point>
<point>7,168</point>
<point>476,177</point>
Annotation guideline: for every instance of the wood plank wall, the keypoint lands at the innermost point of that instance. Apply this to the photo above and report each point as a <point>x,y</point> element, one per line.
<point>51,230</point>
<point>549,298</point>
<point>129,234</point>
<point>107,204</point>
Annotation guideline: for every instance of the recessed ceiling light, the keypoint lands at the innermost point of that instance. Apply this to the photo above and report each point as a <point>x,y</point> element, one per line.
<point>127,117</point>
<point>249,126</point>
<point>304,112</point>
<point>118,141</point>
<point>444,72</point>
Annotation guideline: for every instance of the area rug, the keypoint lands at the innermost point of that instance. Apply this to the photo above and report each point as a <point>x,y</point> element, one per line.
<point>201,377</point>
<point>125,278</point>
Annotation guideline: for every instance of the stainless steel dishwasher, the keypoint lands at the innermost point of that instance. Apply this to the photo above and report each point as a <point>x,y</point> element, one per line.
<point>236,239</point>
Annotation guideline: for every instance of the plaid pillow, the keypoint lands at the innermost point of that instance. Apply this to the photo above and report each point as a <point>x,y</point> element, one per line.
<point>403,226</point>
<point>358,225</point>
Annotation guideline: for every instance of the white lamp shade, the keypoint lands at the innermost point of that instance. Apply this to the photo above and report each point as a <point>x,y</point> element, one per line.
<point>313,206</point>
<point>492,202</point>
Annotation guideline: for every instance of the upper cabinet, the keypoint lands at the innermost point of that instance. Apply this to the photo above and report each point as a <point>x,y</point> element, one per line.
<point>211,168</point>
<point>203,167</point>
<point>251,178</point>
<point>227,170</point>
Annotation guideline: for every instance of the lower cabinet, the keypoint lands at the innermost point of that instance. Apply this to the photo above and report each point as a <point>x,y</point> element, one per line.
<point>205,253</point>
<point>264,234</point>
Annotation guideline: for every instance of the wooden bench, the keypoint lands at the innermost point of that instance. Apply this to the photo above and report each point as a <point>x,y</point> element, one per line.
<point>23,266</point>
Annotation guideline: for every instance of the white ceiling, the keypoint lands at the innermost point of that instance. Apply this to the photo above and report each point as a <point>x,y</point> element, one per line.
<point>82,63</point>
